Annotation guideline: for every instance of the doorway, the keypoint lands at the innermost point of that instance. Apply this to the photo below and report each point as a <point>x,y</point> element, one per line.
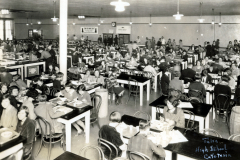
<point>124,39</point>
<point>108,39</point>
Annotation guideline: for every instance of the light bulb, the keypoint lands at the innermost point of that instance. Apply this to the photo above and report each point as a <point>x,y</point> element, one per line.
<point>27,24</point>
<point>212,22</point>
<point>201,20</point>
<point>150,24</point>
<point>39,22</point>
<point>73,23</point>
<point>130,22</point>
<point>119,8</point>
<point>99,24</point>
<point>220,24</point>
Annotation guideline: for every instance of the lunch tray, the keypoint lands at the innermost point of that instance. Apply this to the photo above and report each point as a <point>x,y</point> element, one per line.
<point>4,140</point>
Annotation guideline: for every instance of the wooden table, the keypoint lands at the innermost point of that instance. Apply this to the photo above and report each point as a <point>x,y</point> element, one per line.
<point>201,111</point>
<point>11,147</point>
<point>69,156</point>
<point>87,58</point>
<point>72,117</point>
<point>19,67</point>
<point>198,146</point>
<point>124,79</point>
<point>33,64</point>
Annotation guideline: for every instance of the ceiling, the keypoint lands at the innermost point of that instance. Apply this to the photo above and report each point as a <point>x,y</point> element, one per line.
<point>139,8</point>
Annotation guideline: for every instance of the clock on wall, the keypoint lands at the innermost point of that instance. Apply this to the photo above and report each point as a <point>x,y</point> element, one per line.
<point>114,24</point>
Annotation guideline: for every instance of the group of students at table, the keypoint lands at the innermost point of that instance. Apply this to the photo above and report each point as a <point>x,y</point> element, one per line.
<point>140,142</point>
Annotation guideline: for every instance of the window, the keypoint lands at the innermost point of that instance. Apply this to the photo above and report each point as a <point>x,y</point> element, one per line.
<point>1,30</point>
<point>6,29</point>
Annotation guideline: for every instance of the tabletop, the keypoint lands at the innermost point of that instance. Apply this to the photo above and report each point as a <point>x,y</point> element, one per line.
<point>12,143</point>
<point>69,156</point>
<point>198,146</point>
<point>75,112</point>
<point>199,109</point>
<point>126,77</point>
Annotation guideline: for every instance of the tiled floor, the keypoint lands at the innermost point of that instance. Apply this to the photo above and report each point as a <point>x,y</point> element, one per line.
<point>78,142</point>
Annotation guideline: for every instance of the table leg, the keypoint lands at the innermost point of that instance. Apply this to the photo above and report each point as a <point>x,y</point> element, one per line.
<point>87,126</point>
<point>68,136</point>
<point>141,95</point>
<point>154,111</point>
<point>210,98</point>
<point>201,125</point>
<point>207,121</point>
<point>168,155</point>
<point>207,98</point>
<point>155,82</point>
<point>44,67</point>
<point>148,90</point>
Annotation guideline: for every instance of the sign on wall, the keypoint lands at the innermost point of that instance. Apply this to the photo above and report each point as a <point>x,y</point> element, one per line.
<point>89,30</point>
<point>123,30</point>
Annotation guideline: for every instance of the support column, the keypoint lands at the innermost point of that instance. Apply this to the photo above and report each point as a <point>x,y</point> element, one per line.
<point>63,37</point>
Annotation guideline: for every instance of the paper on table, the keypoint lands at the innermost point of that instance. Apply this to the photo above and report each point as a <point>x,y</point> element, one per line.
<point>62,109</point>
<point>185,105</point>
<point>177,137</point>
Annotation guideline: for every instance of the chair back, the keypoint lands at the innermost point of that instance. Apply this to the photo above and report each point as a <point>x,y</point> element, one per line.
<point>214,132</point>
<point>188,79</point>
<point>83,151</point>
<point>147,74</point>
<point>235,137</point>
<point>190,121</point>
<point>96,103</point>
<point>110,146</point>
<point>195,93</point>
<point>133,87</point>
<point>146,115</point>
<point>138,154</point>
<point>195,100</point>
<point>45,126</point>
<point>174,92</point>
<point>222,102</point>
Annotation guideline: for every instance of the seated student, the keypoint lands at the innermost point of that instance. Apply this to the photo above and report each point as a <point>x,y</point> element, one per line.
<point>223,64</point>
<point>5,77</point>
<point>198,68</point>
<point>9,114</point>
<point>235,70</point>
<point>56,70</point>
<point>175,83</point>
<point>231,82</point>
<point>41,87</point>
<point>222,88</point>
<point>198,86</point>
<point>97,78</point>
<point>127,56</point>
<point>132,62</point>
<point>140,143</point>
<point>50,71</point>
<point>26,128</point>
<point>3,91</point>
<point>103,66</point>
<point>111,134</point>
<point>86,77</point>
<point>45,109</point>
<point>118,56</point>
<point>165,82</point>
<point>14,92</point>
<point>206,78</point>
<point>68,92</point>
<point>17,81</point>
<point>83,95</point>
<point>172,113</point>
<point>188,73</point>
<point>57,84</point>
<point>31,95</point>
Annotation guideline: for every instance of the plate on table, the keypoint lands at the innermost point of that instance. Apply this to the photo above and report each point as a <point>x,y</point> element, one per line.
<point>131,67</point>
<point>6,134</point>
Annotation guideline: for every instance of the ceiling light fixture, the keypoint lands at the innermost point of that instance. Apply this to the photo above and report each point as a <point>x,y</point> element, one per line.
<point>39,22</point>
<point>81,17</point>
<point>201,19</point>
<point>220,23</point>
<point>178,15</point>
<point>5,11</point>
<point>130,18</point>
<point>54,18</point>
<point>150,23</point>
<point>27,22</point>
<point>213,21</point>
<point>119,5</point>
<point>74,23</point>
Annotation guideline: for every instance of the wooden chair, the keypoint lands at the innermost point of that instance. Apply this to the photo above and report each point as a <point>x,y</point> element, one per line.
<point>110,146</point>
<point>189,123</point>
<point>216,134</point>
<point>222,103</point>
<point>83,151</point>
<point>134,90</point>
<point>195,100</point>
<point>139,113</point>
<point>51,138</point>
<point>96,103</point>
<point>109,87</point>
<point>235,137</point>
<point>195,93</point>
<point>138,154</point>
